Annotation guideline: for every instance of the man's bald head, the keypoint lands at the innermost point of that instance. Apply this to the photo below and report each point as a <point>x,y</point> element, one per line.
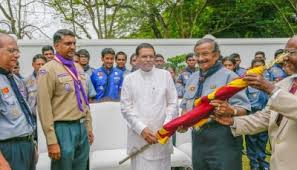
<point>291,58</point>
<point>9,51</point>
<point>292,42</point>
<point>3,38</point>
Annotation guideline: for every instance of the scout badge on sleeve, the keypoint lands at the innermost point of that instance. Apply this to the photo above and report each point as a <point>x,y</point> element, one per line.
<point>67,87</point>
<point>5,92</point>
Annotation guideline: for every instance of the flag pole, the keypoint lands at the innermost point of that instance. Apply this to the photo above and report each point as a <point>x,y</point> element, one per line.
<point>134,153</point>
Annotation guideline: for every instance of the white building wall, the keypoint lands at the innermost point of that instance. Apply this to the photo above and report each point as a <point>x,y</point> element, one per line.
<point>167,47</point>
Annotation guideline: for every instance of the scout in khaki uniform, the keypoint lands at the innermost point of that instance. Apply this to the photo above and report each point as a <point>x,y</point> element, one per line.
<point>63,106</point>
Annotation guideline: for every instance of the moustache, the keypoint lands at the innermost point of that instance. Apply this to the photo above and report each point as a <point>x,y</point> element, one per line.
<point>202,61</point>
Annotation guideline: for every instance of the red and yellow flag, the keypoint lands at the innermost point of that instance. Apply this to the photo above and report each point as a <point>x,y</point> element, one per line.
<point>200,113</point>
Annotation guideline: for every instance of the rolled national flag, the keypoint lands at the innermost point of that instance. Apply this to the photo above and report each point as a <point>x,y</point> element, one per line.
<point>200,113</point>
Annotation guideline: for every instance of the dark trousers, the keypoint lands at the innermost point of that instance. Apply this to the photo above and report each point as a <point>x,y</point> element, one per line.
<point>256,147</point>
<point>215,148</point>
<point>19,154</point>
<point>74,145</point>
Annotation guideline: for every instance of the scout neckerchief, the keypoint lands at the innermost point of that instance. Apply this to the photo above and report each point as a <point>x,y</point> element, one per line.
<point>204,76</point>
<point>25,108</point>
<point>70,68</point>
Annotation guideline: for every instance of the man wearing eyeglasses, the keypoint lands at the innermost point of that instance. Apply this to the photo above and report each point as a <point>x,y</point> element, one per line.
<point>213,146</point>
<point>279,117</point>
<point>17,150</point>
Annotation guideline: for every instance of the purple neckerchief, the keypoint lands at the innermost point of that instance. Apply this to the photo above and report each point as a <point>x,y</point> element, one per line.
<point>77,84</point>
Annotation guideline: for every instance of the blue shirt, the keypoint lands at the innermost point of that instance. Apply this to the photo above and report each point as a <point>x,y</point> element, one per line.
<point>107,84</point>
<point>240,71</point>
<point>277,73</point>
<point>124,70</point>
<point>258,98</point>
<point>13,122</point>
<point>31,85</point>
<point>182,80</point>
<point>220,78</point>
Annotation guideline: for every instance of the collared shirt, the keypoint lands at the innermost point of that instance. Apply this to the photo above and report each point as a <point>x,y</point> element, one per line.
<point>88,70</point>
<point>277,73</point>
<point>220,78</point>
<point>56,98</point>
<point>258,98</point>
<point>149,99</point>
<point>240,71</point>
<point>31,85</point>
<point>13,122</point>
<point>182,81</point>
<point>107,84</point>
<point>124,70</point>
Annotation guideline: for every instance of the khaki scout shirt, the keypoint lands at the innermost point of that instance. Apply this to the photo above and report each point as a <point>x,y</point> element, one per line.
<point>57,100</point>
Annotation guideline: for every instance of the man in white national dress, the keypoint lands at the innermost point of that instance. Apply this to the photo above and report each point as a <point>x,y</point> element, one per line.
<point>148,101</point>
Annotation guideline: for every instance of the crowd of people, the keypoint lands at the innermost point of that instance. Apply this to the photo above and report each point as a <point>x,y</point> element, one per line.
<point>63,84</point>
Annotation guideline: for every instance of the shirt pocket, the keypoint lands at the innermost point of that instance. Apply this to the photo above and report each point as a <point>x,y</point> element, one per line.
<point>65,85</point>
<point>10,108</point>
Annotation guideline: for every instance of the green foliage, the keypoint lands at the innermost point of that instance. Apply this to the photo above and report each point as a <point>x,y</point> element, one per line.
<point>178,62</point>
<point>223,19</point>
<point>180,18</point>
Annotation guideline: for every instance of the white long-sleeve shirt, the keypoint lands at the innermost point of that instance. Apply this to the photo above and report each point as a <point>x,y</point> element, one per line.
<point>148,99</point>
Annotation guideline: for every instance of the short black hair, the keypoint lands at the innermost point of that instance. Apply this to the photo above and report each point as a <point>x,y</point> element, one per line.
<point>190,55</point>
<point>257,60</point>
<point>261,53</point>
<point>83,52</point>
<point>144,45</point>
<point>106,51</point>
<point>235,55</point>
<point>47,48</point>
<point>121,53</point>
<point>131,57</point>
<point>160,56</point>
<point>278,52</point>
<point>229,58</point>
<point>61,33</point>
<point>38,56</point>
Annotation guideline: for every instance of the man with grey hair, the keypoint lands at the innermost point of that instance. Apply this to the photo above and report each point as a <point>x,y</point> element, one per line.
<point>212,142</point>
<point>17,150</point>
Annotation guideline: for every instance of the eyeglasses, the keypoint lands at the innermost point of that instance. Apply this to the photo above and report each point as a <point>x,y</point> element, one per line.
<point>13,51</point>
<point>291,52</point>
<point>204,54</point>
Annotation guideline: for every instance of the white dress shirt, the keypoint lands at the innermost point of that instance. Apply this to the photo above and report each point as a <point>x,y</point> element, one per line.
<point>148,99</point>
